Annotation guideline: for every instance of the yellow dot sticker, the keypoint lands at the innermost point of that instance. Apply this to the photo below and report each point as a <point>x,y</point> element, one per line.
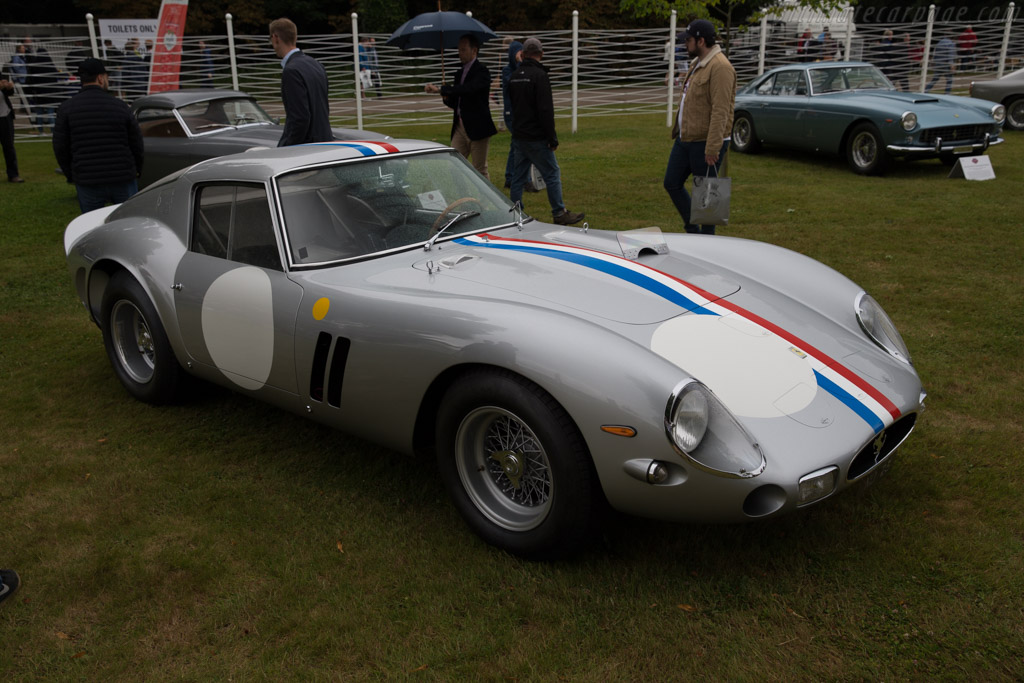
<point>320,308</point>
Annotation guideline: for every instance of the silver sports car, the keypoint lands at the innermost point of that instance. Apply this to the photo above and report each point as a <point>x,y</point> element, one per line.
<point>1008,91</point>
<point>389,290</point>
<point>182,127</point>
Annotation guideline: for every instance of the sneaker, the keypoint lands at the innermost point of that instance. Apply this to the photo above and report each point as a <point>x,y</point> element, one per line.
<point>16,179</point>
<point>567,217</point>
<point>9,581</point>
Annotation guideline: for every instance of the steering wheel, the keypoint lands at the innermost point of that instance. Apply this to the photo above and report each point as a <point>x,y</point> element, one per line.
<point>448,209</point>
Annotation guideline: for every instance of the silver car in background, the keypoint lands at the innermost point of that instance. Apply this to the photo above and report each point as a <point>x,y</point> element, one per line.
<point>389,290</point>
<point>1008,91</point>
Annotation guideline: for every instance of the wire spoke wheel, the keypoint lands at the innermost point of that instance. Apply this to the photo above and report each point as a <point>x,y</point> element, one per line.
<point>504,468</point>
<point>865,149</point>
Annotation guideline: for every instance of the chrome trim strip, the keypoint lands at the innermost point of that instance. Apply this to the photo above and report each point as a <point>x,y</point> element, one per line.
<point>948,148</point>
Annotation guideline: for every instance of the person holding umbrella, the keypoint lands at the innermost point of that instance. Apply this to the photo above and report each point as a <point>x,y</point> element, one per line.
<point>469,97</point>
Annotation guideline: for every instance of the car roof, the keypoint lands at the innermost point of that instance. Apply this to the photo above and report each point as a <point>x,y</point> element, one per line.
<point>260,164</point>
<point>172,99</point>
<point>818,65</point>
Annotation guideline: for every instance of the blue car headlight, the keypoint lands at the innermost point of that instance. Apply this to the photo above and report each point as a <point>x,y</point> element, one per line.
<point>703,431</point>
<point>999,113</point>
<point>879,327</point>
<point>908,121</point>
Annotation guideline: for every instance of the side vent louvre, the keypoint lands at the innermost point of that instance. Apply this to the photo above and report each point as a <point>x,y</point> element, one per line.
<point>316,376</point>
<point>337,377</point>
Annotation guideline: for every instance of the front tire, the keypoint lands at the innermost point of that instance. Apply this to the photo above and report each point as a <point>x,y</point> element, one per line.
<point>865,150</point>
<point>136,343</point>
<point>1015,113</point>
<point>744,136</point>
<point>516,466</point>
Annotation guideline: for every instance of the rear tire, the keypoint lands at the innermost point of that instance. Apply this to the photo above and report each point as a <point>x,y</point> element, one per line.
<point>516,466</point>
<point>865,150</point>
<point>136,343</point>
<point>744,136</point>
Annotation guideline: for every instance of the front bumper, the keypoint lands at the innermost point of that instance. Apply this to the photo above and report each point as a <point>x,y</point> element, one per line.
<point>941,147</point>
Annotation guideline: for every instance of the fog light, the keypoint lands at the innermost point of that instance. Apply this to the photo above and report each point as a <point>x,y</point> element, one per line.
<point>657,473</point>
<point>817,485</point>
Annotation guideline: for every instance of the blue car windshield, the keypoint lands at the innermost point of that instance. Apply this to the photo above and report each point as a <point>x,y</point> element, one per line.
<point>845,78</point>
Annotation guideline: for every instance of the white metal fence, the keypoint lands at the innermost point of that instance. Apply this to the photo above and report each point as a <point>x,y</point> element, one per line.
<point>593,72</point>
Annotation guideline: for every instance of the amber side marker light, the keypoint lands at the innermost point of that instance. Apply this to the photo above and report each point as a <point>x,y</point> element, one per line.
<point>619,430</point>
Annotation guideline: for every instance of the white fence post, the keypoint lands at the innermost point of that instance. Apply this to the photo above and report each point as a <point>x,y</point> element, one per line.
<point>763,44</point>
<point>355,69</point>
<point>927,46</point>
<point>575,66</point>
<point>231,51</point>
<point>92,36</point>
<point>1006,40</point>
<point>848,18</point>
<point>671,68</point>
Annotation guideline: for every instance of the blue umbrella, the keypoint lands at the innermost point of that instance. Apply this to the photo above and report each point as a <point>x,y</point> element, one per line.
<point>437,31</point>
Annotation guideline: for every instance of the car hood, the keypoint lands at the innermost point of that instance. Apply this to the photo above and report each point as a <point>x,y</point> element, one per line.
<point>950,108</point>
<point>582,271</point>
<point>269,135</point>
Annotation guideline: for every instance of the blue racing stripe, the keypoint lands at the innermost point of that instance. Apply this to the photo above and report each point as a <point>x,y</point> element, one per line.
<point>362,149</point>
<point>849,401</point>
<point>613,269</point>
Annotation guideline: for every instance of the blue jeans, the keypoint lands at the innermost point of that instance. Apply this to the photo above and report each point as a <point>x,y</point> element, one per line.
<point>510,165</point>
<point>686,159</point>
<point>941,73</point>
<point>538,153</point>
<point>91,197</point>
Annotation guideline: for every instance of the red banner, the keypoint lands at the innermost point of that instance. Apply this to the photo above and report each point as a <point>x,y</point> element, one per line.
<point>166,68</point>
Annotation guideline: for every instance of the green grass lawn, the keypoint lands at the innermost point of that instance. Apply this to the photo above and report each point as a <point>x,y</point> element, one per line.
<point>225,539</point>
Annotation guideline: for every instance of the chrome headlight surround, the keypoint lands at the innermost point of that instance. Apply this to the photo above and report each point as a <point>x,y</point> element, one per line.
<point>880,328</point>
<point>703,431</point>
<point>998,112</point>
<point>908,120</point>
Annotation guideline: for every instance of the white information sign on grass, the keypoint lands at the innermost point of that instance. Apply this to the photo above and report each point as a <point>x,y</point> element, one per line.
<point>973,168</point>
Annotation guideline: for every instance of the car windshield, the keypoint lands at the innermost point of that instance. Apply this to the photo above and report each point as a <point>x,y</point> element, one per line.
<point>223,114</point>
<point>845,78</point>
<point>385,203</point>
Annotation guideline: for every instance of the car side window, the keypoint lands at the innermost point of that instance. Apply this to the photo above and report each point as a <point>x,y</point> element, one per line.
<point>766,87</point>
<point>159,123</point>
<point>789,83</point>
<point>233,222</point>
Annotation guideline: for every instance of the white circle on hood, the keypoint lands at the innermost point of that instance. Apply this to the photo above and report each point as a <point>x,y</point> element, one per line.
<point>754,372</point>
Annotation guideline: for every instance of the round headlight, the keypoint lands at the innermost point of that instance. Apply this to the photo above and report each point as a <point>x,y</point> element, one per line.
<point>690,418</point>
<point>908,120</point>
<point>999,113</point>
<point>880,327</point>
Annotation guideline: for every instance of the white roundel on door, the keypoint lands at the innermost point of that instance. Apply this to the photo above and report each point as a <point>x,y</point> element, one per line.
<point>238,326</point>
<point>754,372</point>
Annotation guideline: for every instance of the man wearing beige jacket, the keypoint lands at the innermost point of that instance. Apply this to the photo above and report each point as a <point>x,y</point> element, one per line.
<point>704,118</point>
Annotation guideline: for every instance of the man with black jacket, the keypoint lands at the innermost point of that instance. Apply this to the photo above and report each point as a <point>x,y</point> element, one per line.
<point>469,96</point>
<point>533,129</point>
<point>7,130</point>
<point>97,141</point>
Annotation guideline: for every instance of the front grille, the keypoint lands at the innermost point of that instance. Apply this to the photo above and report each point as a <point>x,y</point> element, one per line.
<point>881,447</point>
<point>951,134</point>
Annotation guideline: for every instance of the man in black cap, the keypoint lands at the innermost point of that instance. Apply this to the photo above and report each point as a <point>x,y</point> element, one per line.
<point>97,141</point>
<point>703,122</point>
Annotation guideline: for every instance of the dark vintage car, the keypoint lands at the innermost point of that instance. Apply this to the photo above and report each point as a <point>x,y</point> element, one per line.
<point>851,109</point>
<point>1009,92</point>
<point>183,127</point>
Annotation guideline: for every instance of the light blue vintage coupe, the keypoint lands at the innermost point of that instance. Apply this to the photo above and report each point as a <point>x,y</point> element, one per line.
<point>851,109</point>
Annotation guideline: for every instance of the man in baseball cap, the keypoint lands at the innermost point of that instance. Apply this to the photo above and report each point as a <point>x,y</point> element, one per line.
<point>703,124</point>
<point>97,141</point>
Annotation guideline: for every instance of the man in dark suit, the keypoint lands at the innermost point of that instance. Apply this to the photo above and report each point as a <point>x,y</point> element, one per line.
<point>303,89</point>
<point>469,96</point>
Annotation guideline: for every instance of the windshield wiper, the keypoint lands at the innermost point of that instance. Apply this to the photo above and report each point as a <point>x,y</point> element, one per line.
<point>452,221</point>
